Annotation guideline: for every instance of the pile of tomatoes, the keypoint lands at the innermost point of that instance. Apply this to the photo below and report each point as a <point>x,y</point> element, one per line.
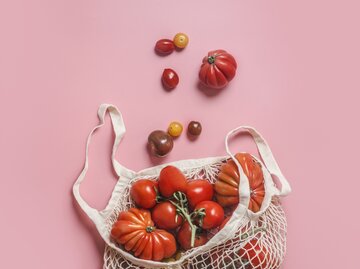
<point>176,213</point>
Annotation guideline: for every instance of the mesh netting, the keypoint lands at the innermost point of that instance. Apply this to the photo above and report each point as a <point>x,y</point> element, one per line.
<point>259,244</point>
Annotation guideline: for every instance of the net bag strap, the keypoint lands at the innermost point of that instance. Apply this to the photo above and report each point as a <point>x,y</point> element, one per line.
<point>119,130</point>
<point>265,154</point>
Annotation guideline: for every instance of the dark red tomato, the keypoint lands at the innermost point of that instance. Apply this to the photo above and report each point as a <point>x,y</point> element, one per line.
<point>214,214</point>
<point>170,79</point>
<point>171,180</point>
<point>198,191</point>
<point>164,46</point>
<point>165,217</point>
<point>184,237</point>
<point>143,192</point>
<point>255,254</point>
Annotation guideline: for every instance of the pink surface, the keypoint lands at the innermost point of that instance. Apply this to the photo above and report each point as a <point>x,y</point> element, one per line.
<point>297,83</point>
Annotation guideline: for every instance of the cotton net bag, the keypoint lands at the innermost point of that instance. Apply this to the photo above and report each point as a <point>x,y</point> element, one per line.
<point>248,241</point>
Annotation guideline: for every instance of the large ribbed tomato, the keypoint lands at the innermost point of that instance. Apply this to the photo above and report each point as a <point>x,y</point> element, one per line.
<point>218,69</point>
<point>227,185</point>
<point>135,230</point>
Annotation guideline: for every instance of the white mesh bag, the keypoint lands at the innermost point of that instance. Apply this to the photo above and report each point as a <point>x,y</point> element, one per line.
<point>248,241</point>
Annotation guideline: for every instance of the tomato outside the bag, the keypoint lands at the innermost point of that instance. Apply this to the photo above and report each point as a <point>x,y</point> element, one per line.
<point>144,193</point>
<point>199,190</point>
<point>227,185</point>
<point>135,230</point>
<point>171,180</point>
<point>218,69</point>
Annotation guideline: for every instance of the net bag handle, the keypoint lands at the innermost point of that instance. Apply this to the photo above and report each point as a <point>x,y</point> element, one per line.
<point>267,157</point>
<point>119,130</point>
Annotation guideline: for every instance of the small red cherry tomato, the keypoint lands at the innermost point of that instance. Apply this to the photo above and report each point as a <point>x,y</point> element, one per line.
<point>198,191</point>
<point>165,216</point>
<point>170,79</point>
<point>184,237</point>
<point>143,192</point>
<point>254,253</point>
<point>164,46</point>
<point>171,180</point>
<point>214,214</point>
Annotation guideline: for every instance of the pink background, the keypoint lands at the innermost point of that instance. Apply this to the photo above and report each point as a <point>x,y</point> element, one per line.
<point>297,83</point>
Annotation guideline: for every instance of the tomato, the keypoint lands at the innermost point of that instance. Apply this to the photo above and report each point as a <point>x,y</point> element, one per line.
<point>214,214</point>
<point>226,220</point>
<point>218,69</point>
<point>134,229</point>
<point>198,191</point>
<point>181,40</point>
<point>171,180</point>
<point>175,129</point>
<point>170,79</point>
<point>255,254</point>
<point>166,217</point>
<point>184,237</point>
<point>143,192</point>
<point>164,46</point>
<point>227,185</point>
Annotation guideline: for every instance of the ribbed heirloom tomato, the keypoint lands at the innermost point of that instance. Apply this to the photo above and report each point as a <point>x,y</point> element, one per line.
<point>171,180</point>
<point>135,230</point>
<point>227,185</point>
<point>143,192</point>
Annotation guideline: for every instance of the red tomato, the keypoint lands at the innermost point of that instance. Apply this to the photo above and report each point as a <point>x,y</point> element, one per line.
<point>255,254</point>
<point>218,69</point>
<point>165,216</point>
<point>143,192</point>
<point>184,237</point>
<point>164,46</point>
<point>170,79</point>
<point>171,180</point>
<point>198,191</point>
<point>214,214</point>
<point>135,230</point>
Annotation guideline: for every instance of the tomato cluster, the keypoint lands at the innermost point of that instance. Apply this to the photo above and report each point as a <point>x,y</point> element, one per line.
<point>174,212</point>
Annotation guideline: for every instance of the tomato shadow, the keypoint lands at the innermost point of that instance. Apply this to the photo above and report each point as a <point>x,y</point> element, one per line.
<point>209,92</point>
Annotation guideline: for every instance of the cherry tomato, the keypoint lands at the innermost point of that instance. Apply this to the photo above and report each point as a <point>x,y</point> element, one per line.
<point>170,79</point>
<point>198,191</point>
<point>214,214</point>
<point>184,237</point>
<point>254,253</point>
<point>164,46</point>
<point>171,180</point>
<point>181,40</point>
<point>143,192</point>
<point>175,129</point>
<point>165,217</point>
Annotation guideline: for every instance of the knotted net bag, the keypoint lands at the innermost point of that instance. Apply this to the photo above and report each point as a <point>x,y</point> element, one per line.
<point>249,240</point>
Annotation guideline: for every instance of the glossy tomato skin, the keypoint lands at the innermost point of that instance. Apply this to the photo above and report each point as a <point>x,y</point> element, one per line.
<point>214,214</point>
<point>184,237</point>
<point>164,46</point>
<point>218,69</point>
<point>143,192</point>
<point>165,217</point>
<point>134,229</point>
<point>254,253</point>
<point>171,180</point>
<point>170,79</point>
<point>181,40</point>
<point>198,191</point>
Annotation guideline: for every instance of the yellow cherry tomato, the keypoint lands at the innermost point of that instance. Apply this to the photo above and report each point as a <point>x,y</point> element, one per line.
<point>181,40</point>
<point>175,129</point>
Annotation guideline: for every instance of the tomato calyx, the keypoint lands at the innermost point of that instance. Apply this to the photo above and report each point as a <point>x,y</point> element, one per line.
<point>181,205</point>
<point>150,229</point>
<point>211,59</point>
